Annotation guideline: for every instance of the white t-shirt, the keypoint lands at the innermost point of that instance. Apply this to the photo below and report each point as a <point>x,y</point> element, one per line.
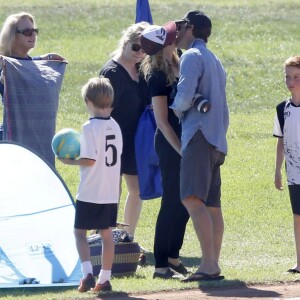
<point>101,140</point>
<point>291,141</point>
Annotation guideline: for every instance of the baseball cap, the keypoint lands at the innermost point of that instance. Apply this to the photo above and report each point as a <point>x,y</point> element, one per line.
<point>154,37</point>
<point>196,18</point>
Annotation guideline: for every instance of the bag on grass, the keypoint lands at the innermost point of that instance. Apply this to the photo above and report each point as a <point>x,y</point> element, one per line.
<point>126,256</point>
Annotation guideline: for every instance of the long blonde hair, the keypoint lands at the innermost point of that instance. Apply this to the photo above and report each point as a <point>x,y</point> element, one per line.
<point>157,62</point>
<point>9,29</point>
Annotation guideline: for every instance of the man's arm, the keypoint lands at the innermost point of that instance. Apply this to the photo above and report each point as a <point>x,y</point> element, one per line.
<point>190,71</point>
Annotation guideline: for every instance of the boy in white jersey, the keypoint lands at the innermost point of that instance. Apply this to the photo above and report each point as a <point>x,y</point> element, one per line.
<point>287,130</point>
<point>99,188</point>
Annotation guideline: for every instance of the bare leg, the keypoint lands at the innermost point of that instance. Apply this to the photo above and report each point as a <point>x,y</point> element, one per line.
<point>174,261</point>
<point>82,245</point>
<point>204,229</point>
<point>108,249</point>
<point>218,228</point>
<point>133,205</point>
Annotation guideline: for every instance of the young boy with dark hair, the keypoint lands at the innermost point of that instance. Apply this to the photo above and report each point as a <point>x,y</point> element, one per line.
<point>287,130</point>
<point>99,188</point>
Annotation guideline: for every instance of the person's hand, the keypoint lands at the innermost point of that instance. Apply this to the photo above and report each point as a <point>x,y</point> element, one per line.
<point>66,161</point>
<point>178,114</point>
<point>52,56</point>
<point>278,181</point>
<point>1,65</point>
<point>1,61</point>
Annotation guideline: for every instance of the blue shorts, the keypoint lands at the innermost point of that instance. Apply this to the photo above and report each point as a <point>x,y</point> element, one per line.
<point>294,191</point>
<point>90,216</point>
<point>200,171</point>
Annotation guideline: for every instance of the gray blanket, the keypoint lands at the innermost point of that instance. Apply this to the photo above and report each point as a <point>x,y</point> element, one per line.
<point>31,95</point>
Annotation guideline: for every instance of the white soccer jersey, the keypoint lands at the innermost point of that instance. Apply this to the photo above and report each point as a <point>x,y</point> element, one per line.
<point>101,140</point>
<point>291,141</point>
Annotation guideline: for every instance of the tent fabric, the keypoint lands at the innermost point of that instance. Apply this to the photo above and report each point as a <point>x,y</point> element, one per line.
<point>36,221</point>
<point>31,95</point>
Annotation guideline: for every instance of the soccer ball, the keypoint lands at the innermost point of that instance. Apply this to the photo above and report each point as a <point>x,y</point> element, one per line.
<point>66,143</point>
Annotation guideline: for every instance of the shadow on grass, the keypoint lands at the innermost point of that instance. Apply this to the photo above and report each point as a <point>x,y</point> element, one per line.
<point>235,288</point>
<point>118,296</point>
<point>222,289</point>
<point>241,291</point>
<point>191,262</point>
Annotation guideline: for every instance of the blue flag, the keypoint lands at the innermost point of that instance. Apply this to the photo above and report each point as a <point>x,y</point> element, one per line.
<point>143,11</point>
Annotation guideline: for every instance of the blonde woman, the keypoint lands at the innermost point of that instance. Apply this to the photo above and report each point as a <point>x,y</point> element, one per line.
<point>161,70</point>
<point>18,37</point>
<point>131,98</point>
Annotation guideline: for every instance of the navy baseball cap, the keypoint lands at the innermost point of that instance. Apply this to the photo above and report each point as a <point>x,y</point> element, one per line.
<point>196,18</point>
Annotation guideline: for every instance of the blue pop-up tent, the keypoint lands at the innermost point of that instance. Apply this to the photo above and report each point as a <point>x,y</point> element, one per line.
<point>37,244</point>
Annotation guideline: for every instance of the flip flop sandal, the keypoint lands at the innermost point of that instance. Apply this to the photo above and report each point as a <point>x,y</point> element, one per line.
<point>201,276</point>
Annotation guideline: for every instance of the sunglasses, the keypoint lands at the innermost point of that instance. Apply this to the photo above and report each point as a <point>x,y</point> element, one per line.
<point>182,26</point>
<point>136,47</point>
<point>28,31</point>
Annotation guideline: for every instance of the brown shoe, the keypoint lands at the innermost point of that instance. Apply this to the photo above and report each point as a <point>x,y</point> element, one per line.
<point>104,287</point>
<point>86,283</point>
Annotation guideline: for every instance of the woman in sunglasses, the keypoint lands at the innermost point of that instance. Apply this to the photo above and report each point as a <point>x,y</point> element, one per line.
<point>131,96</point>
<point>161,70</point>
<point>18,37</point>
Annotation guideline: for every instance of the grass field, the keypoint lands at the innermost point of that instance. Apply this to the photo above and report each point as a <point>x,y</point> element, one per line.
<point>252,38</point>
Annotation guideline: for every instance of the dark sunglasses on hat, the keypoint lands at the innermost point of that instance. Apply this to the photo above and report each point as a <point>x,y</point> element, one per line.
<point>136,47</point>
<point>28,31</point>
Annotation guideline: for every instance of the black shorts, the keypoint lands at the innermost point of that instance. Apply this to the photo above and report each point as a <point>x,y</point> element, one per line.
<point>294,191</point>
<point>128,160</point>
<point>200,171</point>
<point>91,216</point>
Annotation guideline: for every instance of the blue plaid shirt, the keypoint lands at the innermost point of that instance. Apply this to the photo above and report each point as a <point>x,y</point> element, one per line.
<point>202,72</point>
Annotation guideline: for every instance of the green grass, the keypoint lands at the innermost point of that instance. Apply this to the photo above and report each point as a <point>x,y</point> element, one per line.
<point>252,39</point>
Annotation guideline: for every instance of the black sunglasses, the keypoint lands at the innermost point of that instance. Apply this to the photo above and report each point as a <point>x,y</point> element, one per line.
<point>182,25</point>
<point>136,47</point>
<point>28,31</point>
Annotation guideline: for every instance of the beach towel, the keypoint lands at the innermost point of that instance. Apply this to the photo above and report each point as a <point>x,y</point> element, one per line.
<point>30,104</point>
